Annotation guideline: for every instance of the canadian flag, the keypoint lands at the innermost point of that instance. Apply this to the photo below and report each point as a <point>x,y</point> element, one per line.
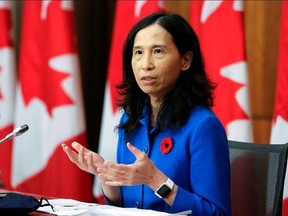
<point>7,89</point>
<point>279,132</point>
<point>49,101</point>
<point>127,13</point>
<point>219,25</point>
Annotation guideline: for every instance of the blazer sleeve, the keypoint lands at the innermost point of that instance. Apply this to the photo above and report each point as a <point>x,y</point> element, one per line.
<point>209,170</point>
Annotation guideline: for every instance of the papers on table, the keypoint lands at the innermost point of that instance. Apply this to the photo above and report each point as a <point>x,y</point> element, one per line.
<point>73,207</point>
<point>106,210</point>
<point>66,207</point>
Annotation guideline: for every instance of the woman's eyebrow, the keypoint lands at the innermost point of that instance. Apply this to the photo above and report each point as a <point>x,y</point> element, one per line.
<point>153,46</point>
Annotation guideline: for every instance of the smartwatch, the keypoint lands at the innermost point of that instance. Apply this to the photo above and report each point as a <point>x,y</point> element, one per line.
<point>164,189</point>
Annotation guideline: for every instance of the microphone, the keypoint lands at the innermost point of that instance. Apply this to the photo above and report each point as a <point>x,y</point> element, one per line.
<point>16,132</point>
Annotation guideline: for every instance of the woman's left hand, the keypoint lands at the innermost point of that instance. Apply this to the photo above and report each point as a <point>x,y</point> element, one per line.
<point>143,171</point>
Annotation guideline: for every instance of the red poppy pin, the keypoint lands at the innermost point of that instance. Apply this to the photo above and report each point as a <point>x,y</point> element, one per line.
<point>166,145</point>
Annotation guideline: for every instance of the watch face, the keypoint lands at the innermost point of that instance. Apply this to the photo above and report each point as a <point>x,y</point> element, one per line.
<point>164,191</point>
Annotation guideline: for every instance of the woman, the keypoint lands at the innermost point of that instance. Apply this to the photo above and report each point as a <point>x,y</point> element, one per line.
<point>172,150</point>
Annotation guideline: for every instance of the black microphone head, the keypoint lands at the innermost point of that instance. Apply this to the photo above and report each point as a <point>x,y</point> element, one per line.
<point>22,129</point>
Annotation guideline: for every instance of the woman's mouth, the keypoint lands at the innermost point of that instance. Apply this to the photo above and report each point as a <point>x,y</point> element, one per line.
<point>148,80</point>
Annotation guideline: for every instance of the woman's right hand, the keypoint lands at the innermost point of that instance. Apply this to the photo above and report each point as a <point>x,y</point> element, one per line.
<point>90,161</point>
<point>84,158</point>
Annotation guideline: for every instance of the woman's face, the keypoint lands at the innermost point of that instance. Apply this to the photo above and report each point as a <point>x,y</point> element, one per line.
<point>156,62</point>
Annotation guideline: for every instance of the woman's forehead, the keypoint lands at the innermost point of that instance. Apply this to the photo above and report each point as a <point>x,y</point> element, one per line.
<point>152,35</point>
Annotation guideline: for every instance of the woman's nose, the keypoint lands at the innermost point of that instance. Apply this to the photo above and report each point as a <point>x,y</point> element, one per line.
<point>147,63</point>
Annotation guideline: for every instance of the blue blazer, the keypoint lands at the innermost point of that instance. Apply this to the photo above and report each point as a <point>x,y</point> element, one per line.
<point>198,162</point>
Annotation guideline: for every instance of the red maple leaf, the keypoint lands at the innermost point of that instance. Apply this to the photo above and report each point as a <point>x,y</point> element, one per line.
<point>47,87</point>
<point>222,42</point>
<point>44,38</point>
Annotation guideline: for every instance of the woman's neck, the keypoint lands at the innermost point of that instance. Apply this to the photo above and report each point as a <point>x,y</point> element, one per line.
<point>155,107</point>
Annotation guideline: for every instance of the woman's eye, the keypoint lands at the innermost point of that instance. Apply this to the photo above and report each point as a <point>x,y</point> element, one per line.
<point>138,52</point>
<point>158,52</point>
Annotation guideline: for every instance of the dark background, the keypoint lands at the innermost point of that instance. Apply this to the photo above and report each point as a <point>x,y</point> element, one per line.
<point>94,23</point>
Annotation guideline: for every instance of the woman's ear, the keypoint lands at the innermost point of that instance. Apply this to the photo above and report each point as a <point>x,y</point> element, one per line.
<point>186,60</point>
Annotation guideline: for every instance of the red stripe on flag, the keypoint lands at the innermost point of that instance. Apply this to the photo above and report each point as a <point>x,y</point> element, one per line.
<point>279,131</point>
<point>281,99</point>
<point>6,27</point>
<point>5,159</point>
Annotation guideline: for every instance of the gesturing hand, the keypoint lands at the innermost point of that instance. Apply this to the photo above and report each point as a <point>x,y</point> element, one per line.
<point>83,157</point>
<point>143,171</point>
<point>90,161</point>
